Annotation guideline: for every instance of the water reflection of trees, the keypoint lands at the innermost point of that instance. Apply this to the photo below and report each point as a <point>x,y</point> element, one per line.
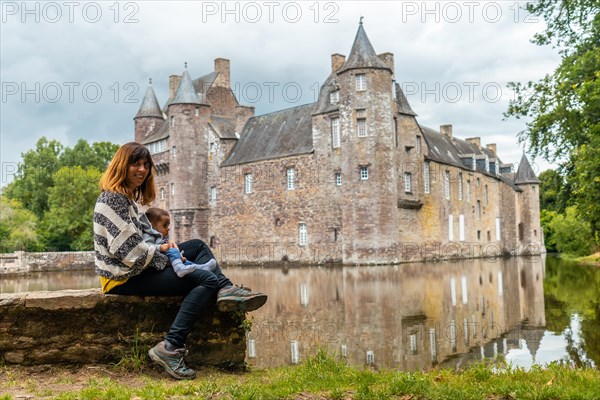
<point>569,289</point>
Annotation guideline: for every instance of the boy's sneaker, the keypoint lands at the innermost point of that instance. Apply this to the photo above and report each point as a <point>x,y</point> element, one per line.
<point>171,361</point>
<point>234,298</point>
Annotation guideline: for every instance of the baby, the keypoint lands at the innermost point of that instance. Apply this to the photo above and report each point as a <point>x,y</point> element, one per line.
<point>157,234</point>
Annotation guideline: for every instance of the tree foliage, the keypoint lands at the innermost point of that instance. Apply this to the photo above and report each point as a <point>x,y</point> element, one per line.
<point>58,185</point>
<point>563,107</point>
<point>68,223</point>
<point>18,227</point>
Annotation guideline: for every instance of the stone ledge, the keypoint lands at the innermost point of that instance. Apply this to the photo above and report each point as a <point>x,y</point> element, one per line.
<point>88,327</point>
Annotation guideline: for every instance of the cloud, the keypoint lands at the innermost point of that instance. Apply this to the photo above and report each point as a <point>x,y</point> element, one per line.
<point>102,67</point>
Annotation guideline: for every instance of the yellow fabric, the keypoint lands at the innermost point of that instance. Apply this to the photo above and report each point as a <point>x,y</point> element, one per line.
<point>109,284</point>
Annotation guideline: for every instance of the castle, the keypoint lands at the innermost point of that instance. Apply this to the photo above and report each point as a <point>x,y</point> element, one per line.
<point>352,178</point>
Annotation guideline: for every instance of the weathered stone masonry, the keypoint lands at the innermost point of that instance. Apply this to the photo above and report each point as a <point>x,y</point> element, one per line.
<point>352,178</point>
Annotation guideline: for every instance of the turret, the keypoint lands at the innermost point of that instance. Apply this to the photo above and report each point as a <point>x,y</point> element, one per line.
<point>187,117</point>
<point>149,117</point>
<point>366,151</point>
<point>529,232</point>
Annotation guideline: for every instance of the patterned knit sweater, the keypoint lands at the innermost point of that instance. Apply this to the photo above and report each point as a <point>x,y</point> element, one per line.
<point>120,250</point>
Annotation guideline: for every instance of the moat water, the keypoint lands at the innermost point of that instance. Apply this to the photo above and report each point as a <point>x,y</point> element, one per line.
<point>530,310</point>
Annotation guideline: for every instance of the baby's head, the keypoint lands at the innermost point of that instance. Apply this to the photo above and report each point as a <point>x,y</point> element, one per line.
<point>159,219</point>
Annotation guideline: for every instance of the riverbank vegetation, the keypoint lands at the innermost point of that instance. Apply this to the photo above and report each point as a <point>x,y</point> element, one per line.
<point>319,377</point>
<point>563,125</point>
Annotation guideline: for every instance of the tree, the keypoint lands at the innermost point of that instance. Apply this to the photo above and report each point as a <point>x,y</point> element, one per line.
<point>68,223</point>
<point>18,227</point>
<point>34,176</point>
<point>552,191</point>
<point>98,155</point>
<point>569,234</point>
<point>564,107</point>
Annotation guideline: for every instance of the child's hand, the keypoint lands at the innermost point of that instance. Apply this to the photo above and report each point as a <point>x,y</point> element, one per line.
<point>164,247</point>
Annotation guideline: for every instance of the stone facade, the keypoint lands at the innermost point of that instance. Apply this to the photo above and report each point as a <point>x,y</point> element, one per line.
<point>352,178</point>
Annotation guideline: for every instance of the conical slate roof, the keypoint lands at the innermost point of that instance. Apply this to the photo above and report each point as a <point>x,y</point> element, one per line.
<point>149,107</point>
<point>362,54</point>
<point>525,173</point>
<point>186,93</point>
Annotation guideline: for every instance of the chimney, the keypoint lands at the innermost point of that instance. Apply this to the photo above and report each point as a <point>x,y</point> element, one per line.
<point>173,85</point>
<point>491,147</point>
<point>337,60</point>
<point>388,59</point>
<point>222,67</point>
<point>475,140</point>
<point>446,130</point>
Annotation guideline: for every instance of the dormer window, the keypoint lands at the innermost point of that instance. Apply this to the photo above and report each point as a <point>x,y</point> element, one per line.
<point>361,82</point>
<point>334,97</point>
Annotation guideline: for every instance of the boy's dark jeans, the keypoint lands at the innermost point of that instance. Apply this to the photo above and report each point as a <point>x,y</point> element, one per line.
<point>199,289</point>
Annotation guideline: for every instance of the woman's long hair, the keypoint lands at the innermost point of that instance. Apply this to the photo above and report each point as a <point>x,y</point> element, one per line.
<point>115,176</point>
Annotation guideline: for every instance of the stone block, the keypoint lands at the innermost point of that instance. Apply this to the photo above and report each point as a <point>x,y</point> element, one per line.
<point>88,327</point>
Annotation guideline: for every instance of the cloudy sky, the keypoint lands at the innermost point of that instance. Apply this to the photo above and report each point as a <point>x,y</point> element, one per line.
<point>72,70</point>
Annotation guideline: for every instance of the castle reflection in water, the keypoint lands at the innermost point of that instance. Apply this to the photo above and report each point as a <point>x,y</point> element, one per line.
<point>411,316</point>
<point>408,316</point>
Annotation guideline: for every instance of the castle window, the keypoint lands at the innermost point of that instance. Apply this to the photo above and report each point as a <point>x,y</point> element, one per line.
<point>361,82</point>
<point>497,228</point>
<point>426,186</point>
<point>487,164</point>
<point>468,190</point>
<point>474,163</point>
<point>213,193</point>
<point>361,122</point>
<point>172,121</point>
<point>335,132</point>
<point>364,173</point>
<point>460,186</point>
<point>447,184</point>
<point>461,228</point>
<point>247,183</point>
<point>489,236</point>
<point>302,235</point>
<point>487,196</point>
<point>450,228</point>
<point>396,132</point>
<point>533,188</point>
<point>334,97</point>
<point>197,112</point>
<point>338,179</point>
<point>291,179</point>
<point>162,193</point>
<point>418,145</point>
<point>174,150</point>
<point>212,146</point>
<point>478,209</point>
<point>478,235</point>
<point>172,189</point>
<point>521,231</point>
<point>477,182</point>
<point>157,147</point>
<point>407,182</point>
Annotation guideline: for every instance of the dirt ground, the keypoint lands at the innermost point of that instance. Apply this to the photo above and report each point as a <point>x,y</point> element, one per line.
<point>43,382</point>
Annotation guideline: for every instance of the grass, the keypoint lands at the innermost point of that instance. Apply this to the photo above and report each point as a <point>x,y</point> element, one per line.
<point>325,377</point>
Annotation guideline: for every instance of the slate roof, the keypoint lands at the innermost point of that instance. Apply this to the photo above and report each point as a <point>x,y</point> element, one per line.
<point>280,134</point>
<point>448,151</point>
<point>161,133</point>
<point>525,173</point>
<point>403,106</point>
<point>186,92</point>
<point>149,106</point>
<point>362,54</point>
<point>223,126</point>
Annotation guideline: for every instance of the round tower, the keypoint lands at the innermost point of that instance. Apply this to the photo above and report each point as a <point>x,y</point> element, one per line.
<point>186,117</point>
<point>149,117</point>
<point>366,144</point>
